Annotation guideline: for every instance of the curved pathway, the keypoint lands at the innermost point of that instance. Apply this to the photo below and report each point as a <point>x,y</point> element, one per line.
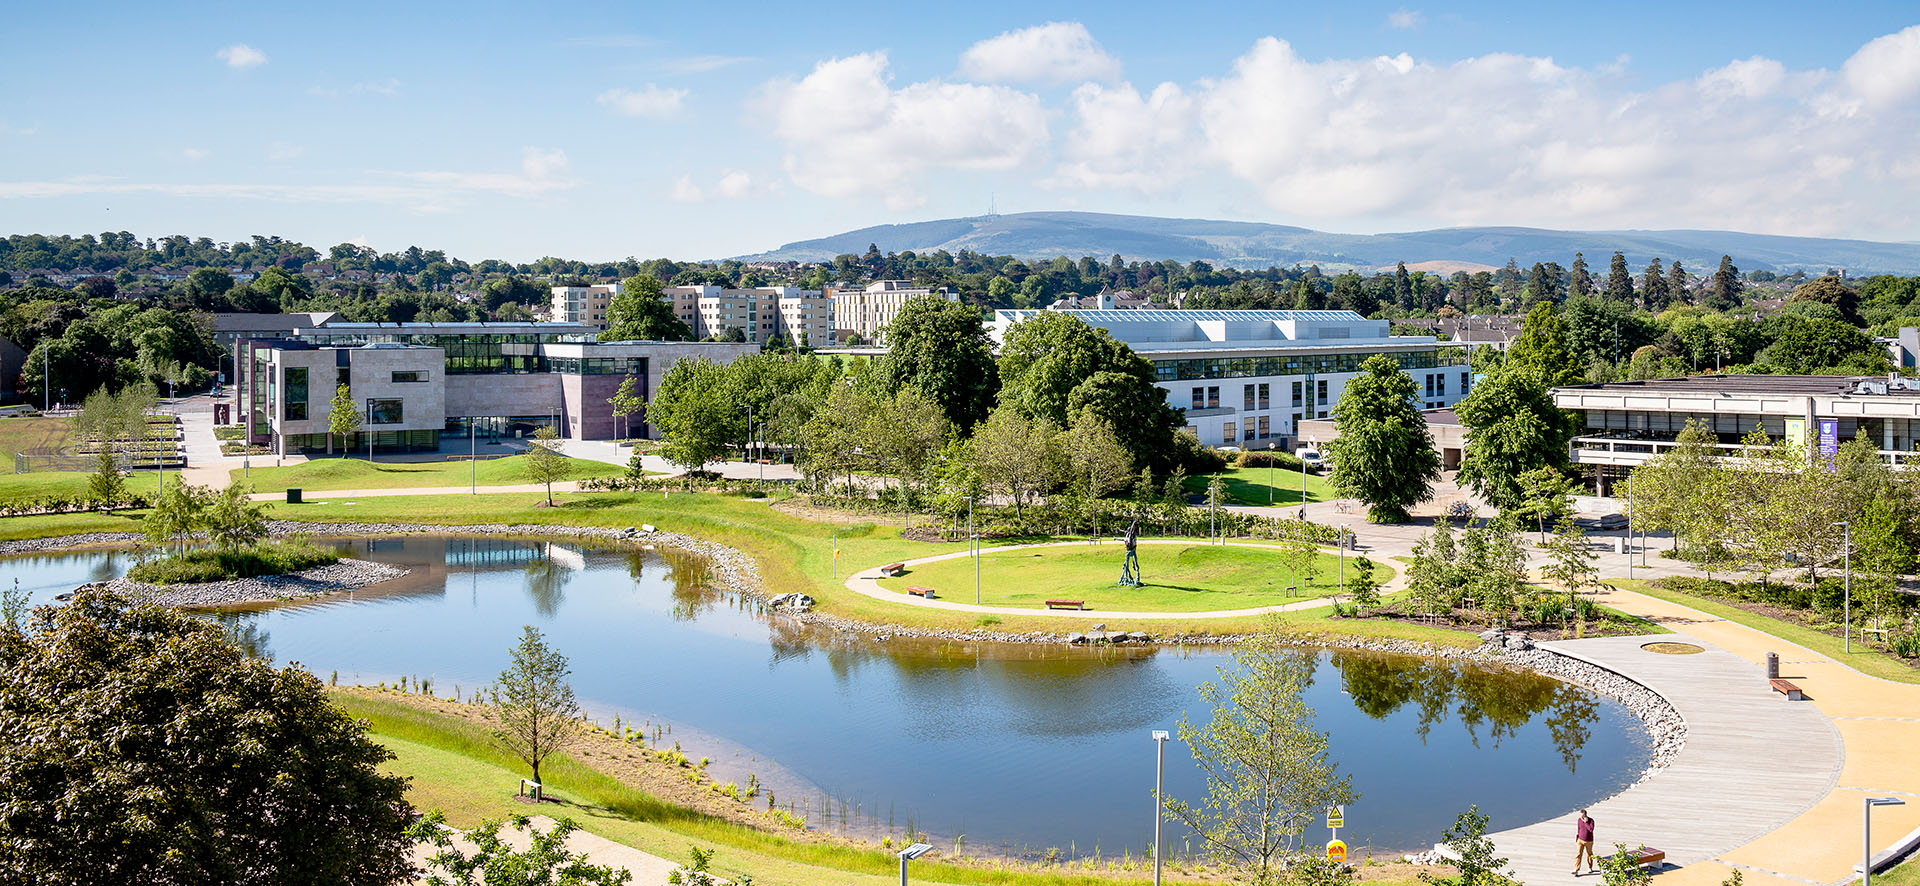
<point>867,583</point>
<point>1766,786</point>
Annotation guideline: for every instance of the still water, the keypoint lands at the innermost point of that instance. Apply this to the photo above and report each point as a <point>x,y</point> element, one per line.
<point>1013,746</point>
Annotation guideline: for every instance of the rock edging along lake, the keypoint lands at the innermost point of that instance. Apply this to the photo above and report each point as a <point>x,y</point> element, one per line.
<point>1017,746</point>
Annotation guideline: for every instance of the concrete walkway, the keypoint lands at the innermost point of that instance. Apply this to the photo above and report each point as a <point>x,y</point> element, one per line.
<point>1770,787</point>
<point>319,496</point>
<point>647,869</point>
<point>866,582</point>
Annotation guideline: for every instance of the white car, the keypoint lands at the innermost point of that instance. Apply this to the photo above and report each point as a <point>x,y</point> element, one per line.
<point>1308,454</point>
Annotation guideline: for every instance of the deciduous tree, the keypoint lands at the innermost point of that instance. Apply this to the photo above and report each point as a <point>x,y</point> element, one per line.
<point>941,349</point>
<point>641,312</point>
<point>1384,453</point>
<point>534,703</point>
<point>544,462</point>
<point>1513,427</point>
<point>343,418</point>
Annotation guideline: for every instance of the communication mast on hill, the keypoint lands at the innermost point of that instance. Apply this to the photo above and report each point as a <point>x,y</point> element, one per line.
<point>992,207</point>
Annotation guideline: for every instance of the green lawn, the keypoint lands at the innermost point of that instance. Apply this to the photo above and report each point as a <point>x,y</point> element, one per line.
<point>66,484</point>
<point>1905,874</point>
<point>358,473</point>
<point>1179,578</point>
<point>1876,664</point>
<point>1254,486</point>
<point>456,767</point>
<point>33,435</point>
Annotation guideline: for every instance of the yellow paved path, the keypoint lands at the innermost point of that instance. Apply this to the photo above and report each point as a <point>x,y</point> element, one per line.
<point>1879,723</point>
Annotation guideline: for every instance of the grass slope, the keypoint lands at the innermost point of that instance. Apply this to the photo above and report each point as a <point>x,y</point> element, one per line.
<point>1873,664</point>
<point>65,484</point>
<point>1254,486</point>
<point>1179,578</point>
<point>358,473</point>
<point>33,435</point>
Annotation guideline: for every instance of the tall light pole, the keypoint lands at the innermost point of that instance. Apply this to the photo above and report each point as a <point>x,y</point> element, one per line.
<point>1343,558</point>
<point>1866,834</point>
<point>749,446</point>
<point>910,853</point>
<point>473,457</point>
<point>1629,527</point>
<point>973,547</point>
<point>1159,803</point>
<point>1846,599</point>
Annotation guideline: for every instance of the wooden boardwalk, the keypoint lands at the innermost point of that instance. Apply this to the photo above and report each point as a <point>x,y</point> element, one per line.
<point>1752,762</point>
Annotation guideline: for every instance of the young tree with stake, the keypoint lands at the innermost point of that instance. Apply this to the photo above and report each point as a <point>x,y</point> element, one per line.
<point>534,702</point>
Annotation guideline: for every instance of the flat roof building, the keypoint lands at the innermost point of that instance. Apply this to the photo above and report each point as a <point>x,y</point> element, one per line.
<point>867,312</point>
<point>1250,378</point>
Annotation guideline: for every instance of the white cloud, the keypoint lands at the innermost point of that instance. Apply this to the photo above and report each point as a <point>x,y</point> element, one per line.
<point>195,153</point>
<point>848,132</point>
<point>652,101</point>
<point>1126,140</point>
<point>685,191</point>
<point>1056,52</point>
<point>700,64</point>
<point>1404,19</point>
<point>1886,71</point>
<point>542,170</point>
<point>242,56</point>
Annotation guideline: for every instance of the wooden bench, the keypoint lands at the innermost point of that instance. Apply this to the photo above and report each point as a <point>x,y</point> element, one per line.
<point>1066,604</point>
<point>1791,691</point>
<point>1647,856</point>
<point>921,592</point>
<point>893,569</point>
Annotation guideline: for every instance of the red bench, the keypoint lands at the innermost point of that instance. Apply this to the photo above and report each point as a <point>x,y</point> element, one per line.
<point>1646,856</point>
<point>921,592</point>
<point>893,569</point>
<point>1066,604</point>
<point>1787,689</point>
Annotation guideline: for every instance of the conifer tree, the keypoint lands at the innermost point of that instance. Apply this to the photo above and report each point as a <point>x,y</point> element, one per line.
<point>1619,279</point>
<point>1582,283</point>
<point>1653,286</point>
<point>1723,292</point>
<point>1676,284</point>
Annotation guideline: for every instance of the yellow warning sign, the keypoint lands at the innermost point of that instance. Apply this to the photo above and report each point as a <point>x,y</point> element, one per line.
<point>1336,850</point>
<point>1336,817</point>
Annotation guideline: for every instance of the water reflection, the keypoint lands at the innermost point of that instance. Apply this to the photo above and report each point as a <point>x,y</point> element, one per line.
<point>1026,745</point>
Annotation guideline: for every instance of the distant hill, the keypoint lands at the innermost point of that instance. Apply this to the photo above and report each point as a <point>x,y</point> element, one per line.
<point>1044,235</point>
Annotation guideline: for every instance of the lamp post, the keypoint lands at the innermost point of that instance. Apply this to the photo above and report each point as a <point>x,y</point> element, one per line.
<point>910,853</point>
<point>1866,834</point>
<point>749,446</point>
<point>1343,558</point>
<point>973,548</point>
<point>1159,804</point>
<point>473,458</point>
<point>1846,599</point>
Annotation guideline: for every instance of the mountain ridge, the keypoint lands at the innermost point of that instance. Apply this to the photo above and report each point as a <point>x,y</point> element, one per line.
<point>1047,234</point>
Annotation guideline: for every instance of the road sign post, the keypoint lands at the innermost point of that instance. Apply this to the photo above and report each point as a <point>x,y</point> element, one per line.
<point>1336,819</point>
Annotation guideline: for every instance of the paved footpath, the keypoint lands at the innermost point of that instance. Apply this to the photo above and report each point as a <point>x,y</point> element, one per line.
<point>647,869</point>
<point>1767,786</point>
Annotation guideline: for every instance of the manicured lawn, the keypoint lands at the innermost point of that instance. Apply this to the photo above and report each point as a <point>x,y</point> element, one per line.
<point>63,484</point>
<point>1871,663</point>
<point>1178,578</point>
<point>35,435</point>
<point>1252,486</point>
<point>1907,874</point>
<point>358,473</point>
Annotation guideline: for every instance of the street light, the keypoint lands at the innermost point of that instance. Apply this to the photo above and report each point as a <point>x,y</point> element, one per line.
<point>973,547</point>
<point>1159,805</point>
<point>910,853</point>
<point>1846,618</point>
<point>1866,834</point>
<point>1343,557</point>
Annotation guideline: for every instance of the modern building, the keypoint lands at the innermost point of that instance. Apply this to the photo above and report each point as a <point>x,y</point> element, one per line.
<point>1625,424</point>
<point>759,314</point>
<point>417,383</point>
<point>582,304</point>
<point>868,312</point>
<point>1249,378</point>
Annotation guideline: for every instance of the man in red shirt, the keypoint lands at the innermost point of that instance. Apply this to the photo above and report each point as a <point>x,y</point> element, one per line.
<point>1583,842</point>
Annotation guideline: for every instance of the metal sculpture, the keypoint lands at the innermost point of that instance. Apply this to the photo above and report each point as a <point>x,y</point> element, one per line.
<point>1130,570</point>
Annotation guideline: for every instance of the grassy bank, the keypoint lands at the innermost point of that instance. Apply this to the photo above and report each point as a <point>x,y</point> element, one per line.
<point>358,473</point>
<point>1875,664</point>
<point>456,767</point>
<point>15,488</point>
<point>1178,578</point>
<point>202,565</point>
<point>1258,486</point>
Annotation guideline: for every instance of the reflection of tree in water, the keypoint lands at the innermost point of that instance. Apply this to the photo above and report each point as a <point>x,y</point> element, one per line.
<point>547,581</point>
<point>243,628</point>
<point>1499,699</point>
<point>693,588</point>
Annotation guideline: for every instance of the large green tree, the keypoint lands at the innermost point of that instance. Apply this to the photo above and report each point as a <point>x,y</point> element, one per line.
<point>941,349</point>
<point>140,745</point>
<point>1512,427</point>
<point>1054,366</point>
<point>1619,279</point>
<point>1723,291</point>
<point>1542,347</point>
<point>641,312</point>
<point>1383,454</point>
<point>693,413</point>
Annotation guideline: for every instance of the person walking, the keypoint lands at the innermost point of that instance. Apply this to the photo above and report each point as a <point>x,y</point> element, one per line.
<point>1583,843</point>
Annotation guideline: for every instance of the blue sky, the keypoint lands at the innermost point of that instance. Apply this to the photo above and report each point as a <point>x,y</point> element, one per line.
<point>691,130</point>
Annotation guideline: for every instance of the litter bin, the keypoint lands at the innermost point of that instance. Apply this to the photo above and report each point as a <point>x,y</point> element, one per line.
<point>1773,665</point>
<point>293,496</point>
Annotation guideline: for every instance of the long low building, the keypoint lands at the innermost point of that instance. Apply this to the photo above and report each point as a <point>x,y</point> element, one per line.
<point>1251,378</point>
<point>1625,424</point>
<point>415,384</point>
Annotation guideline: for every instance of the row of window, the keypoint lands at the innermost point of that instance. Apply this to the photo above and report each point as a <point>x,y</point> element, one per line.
<point>1297,364</point>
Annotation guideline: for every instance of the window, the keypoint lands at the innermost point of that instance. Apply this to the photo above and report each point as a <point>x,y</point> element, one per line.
<point>1199,398</point>
<point>296,394</point>
<point>1321,390</point>
<point>1263,395</point>
<point>383,412</point>
<point>1296,393</point>
<point>1246,395</point>
<point>1463,383</point>
<point>1439,385</point>
<point>411,376</point>
<point>1226,433</point>
<point>1213,398</point>
<point>1266,429</point>
<point>1429,385</point>
<point>1247,432</point>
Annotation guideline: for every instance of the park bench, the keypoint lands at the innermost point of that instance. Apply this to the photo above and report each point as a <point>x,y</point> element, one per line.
<point>1066,604</point>
<point>921,592</point>
<point>1647,856</point>
<point>893,569</point>
<point>1791,691</point>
